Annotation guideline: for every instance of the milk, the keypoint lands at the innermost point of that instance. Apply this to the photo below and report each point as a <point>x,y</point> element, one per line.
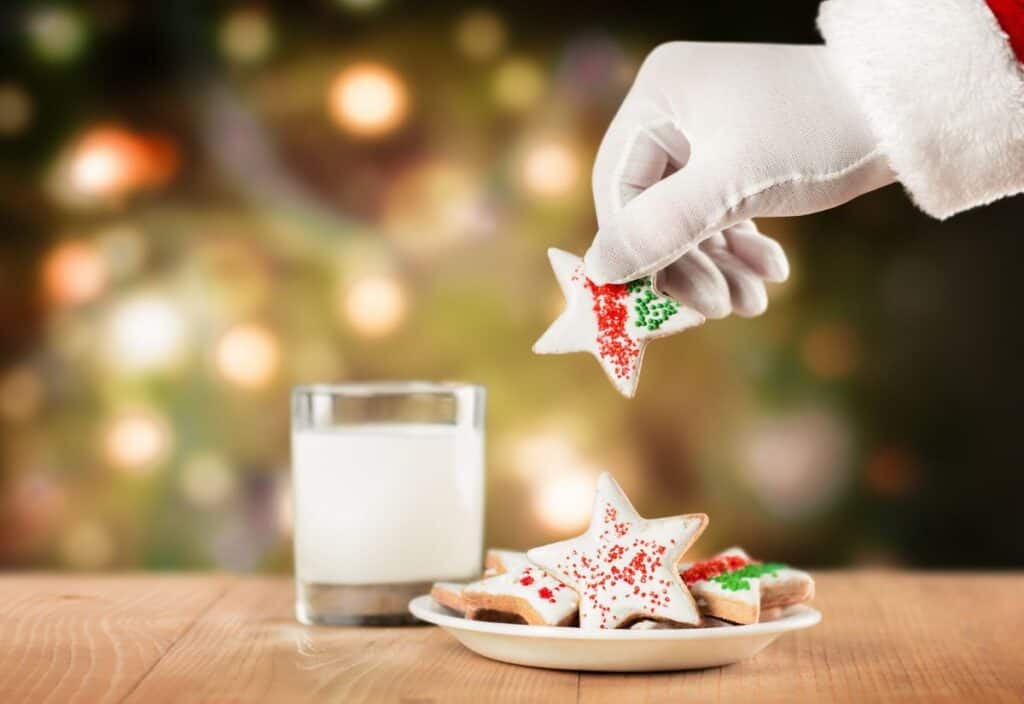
<point>379,504</point>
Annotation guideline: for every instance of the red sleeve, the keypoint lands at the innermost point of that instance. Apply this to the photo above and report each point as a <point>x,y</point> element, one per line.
<point>1010,14</point>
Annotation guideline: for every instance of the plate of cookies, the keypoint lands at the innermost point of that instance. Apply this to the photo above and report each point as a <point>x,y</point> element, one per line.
<point>622,598</point>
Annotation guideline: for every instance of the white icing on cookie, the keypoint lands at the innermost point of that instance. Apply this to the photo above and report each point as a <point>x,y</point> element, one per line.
<point>785,585</point>
<point>778,585</point>
<point>625,566</point>
<point>551,599</point>
<point>612,322</point>
<point>705,590</point>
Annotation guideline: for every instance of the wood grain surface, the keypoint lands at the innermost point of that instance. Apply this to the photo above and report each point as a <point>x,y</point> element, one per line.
<point>886,636</point>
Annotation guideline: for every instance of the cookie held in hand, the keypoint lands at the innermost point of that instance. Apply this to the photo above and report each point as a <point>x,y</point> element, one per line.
<point>613,322</point>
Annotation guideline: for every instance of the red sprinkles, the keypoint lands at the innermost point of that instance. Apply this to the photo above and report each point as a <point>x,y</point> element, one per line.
<point>706,569</point>
<point>545,593</point>
<point>613,341</point>
<point>638,561</point>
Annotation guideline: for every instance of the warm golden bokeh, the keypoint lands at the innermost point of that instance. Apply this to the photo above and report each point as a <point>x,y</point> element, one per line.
<point>368,100</point>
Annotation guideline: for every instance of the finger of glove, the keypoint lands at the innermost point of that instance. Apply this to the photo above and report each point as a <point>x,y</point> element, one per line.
<point>715,240</point>
<point>666,221</point>
<point>652,152</point>
<point>627,165</point>
<point>761,253</point>
<point>638,149</point>
<point>746,289</point>
<point>695,281</point>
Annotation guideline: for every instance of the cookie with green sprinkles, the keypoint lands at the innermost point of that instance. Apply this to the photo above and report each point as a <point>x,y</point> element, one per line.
<point>733,587</point>
<point>613,322</point>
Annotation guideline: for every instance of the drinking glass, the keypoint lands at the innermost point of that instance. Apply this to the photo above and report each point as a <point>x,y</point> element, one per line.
<point>388,482</point>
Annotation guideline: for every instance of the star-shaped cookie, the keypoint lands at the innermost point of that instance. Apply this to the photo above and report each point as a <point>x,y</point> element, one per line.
<point>527,592</point>
<point>613,322</point>
<point>625,567</point>
<point>735,587</point>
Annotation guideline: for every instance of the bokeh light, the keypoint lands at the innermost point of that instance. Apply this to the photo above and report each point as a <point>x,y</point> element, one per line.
<point>563,500</point>
<point>57,33</point>
<point>375,305</point>
<point>101,168</point>
<point>137,441</point>
<point>111,161</point>
<point>246,35</point>
<point>15,109</point>
<point>797,464</point>
<point>207,480</point>
<point>147,332</point>
<point>368,100</point>
<point>560,479</point>
<point>21,393</point>
<point>550,169</point>
<point>248,356</point>
<point>87,545</point>
<point>480,35</point>
<point>74,272</point>
<point>519,84</point>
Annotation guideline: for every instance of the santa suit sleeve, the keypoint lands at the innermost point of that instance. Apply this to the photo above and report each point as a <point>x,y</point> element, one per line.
<point>942,83</point>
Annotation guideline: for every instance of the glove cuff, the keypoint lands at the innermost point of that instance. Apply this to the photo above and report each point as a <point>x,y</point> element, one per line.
<point>943,91</point>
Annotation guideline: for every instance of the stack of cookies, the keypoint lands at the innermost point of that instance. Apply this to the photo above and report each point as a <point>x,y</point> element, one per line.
<point>626,572</point>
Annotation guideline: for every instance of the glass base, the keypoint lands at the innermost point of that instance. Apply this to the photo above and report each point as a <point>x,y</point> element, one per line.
<point>356,605</point>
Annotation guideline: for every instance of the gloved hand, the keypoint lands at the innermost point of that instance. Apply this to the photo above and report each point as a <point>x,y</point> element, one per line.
<point>726,273</point>
<point>710,136</point>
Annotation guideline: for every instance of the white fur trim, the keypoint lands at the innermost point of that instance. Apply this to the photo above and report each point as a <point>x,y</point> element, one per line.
<point>942,90</point>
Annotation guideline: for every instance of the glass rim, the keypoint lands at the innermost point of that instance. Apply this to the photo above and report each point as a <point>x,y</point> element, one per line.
<point>390,388</point>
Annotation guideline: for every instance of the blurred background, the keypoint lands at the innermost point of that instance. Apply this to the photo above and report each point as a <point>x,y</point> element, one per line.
<point>205,203</point>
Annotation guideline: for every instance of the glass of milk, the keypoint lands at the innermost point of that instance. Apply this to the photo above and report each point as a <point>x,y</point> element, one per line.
<point>388,482</point>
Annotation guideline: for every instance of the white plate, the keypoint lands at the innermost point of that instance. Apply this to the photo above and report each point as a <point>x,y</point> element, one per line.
<point>617,650</point>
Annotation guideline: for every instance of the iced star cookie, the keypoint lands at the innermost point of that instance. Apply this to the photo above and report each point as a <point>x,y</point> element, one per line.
<point>735,601</point>
<point>527,593</point>
<point>780,587</point>
<point>625,568</point>
<point>734,587</point>
<point>449,595</point>
<point>613,322</point>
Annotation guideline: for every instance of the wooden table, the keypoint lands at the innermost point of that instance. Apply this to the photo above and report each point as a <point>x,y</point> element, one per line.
<point>886,636</point>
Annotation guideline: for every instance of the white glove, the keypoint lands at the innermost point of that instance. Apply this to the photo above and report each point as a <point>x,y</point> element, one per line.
<point>726,273</point>
<point>710,136</point>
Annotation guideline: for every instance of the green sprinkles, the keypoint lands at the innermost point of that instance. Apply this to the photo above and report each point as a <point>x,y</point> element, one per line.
<point>737,580</point>
<point>651,309</point>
